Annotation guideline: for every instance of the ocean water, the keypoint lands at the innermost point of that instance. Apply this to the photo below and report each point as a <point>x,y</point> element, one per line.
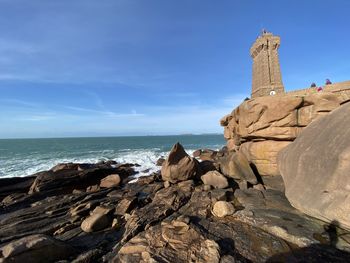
<point>23,157</point>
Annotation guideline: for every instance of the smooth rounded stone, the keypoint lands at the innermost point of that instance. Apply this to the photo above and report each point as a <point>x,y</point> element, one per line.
<point>112,180</point>
<point>95,222</point>
<point>316,167</point>
<point>215,179</point>
<point>179,166</point>
<point>36,248</point>
<point>222,209</point>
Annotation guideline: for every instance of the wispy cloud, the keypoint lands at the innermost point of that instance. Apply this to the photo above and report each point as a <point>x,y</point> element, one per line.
<point>37,118</point>
<point>18,102</point>
<point>111,114</point>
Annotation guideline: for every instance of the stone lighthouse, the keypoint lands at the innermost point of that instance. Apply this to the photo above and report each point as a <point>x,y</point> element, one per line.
<point>267,79</point>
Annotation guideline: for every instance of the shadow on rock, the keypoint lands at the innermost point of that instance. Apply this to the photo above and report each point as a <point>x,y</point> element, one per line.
<point>317,252</point>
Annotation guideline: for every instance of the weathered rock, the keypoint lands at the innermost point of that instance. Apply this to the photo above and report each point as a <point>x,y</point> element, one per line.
<point>277,120</point>
<point>215,179</point>
<point>160,161</point>
<point>207,155</point>
<point>315,168</point>
<point>171,241</point>
<point>164,203</point>
<point>273,182</point>
<point>270,211</point>
<point>263,155</point>
<point>65,181</point>
<point>125,206</point>
<point>95,222</point>
<point>223,208</point>
<point>112,180</point>
<point>179,166</point>
<point>36,248</point>
<point>15,185</point>
<point>236,165</point>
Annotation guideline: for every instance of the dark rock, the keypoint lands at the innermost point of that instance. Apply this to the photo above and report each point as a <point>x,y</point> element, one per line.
<point>15,185</point>
<point>160,161</point>
<point>236,165</point>
<point>207,166</point>
<point>36,248</point>
<point>197,153</point>
<point>65,181</point>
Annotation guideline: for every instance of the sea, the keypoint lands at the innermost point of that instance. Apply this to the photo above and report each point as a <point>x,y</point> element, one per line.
<point>23,157</point>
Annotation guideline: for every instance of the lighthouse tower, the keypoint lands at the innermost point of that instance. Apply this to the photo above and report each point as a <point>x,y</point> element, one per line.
<point>267,79</point>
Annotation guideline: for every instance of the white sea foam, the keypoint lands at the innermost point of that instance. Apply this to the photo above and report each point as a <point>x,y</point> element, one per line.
<point>146,158</point>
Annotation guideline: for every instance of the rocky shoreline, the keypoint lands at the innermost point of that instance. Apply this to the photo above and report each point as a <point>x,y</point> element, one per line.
<point>205,209</point>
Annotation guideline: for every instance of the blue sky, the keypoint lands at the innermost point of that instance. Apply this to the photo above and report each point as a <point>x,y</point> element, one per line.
<point>137,67</point>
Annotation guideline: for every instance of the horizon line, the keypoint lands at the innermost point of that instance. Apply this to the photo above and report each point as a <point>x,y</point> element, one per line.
<point>112,136</point>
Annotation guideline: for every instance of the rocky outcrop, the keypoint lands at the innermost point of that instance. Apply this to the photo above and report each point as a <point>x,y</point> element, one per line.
<point>36,248</point>
<point>261,127</point>
<point>66,180</point>
<point>316,167</point>
<point>179,166</point>
<point>152,220</point>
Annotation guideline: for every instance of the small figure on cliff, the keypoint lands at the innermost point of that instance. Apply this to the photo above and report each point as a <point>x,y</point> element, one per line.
<point>313,85</point>
<point>319,89</point>
<point>328,82</point>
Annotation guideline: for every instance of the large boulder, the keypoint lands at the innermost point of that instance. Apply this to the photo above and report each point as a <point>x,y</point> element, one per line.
<point>215,179</point>
<point>236,165</point>
<point>179,166</point>
<point>316,167</point>
<point>36,248</point>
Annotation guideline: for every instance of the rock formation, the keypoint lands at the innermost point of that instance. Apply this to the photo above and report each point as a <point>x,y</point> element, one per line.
<point>261,127</point>
<point>316,168</point>
<point>179,166</point>
<point>186,221</point>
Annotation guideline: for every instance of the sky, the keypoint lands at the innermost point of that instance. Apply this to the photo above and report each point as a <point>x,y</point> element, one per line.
<point>153,67</point>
